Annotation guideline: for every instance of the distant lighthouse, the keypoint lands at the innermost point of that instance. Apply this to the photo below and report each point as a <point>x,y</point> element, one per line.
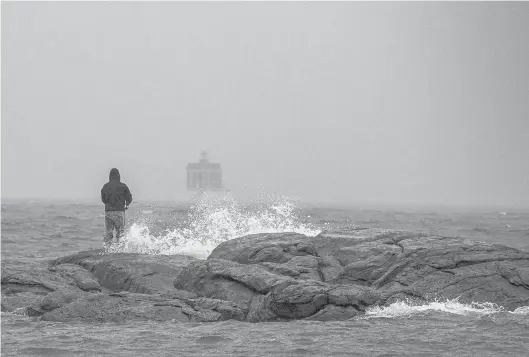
<point>204,176</point>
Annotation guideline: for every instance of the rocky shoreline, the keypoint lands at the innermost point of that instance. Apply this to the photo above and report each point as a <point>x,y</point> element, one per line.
<point>335,275</point>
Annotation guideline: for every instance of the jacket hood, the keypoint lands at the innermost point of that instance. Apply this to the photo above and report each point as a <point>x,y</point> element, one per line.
<point>114,174</point>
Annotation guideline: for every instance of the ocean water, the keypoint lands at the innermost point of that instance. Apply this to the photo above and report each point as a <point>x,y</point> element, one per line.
<point>35,232</point>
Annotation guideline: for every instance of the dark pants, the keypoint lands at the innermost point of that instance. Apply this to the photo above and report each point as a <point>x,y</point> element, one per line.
<point>114,220</point>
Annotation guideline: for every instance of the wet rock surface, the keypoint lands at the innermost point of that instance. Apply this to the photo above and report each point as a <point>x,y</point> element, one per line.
<point>148,274</point>
<point>271,277</point>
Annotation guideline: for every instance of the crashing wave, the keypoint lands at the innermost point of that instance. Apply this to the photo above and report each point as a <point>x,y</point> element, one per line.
<point>211,222</point>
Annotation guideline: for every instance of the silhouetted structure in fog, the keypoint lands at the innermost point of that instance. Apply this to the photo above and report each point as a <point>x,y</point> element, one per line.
<point>204,175</point>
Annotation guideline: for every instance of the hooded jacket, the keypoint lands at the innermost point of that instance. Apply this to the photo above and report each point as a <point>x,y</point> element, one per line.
<point>115,194</point>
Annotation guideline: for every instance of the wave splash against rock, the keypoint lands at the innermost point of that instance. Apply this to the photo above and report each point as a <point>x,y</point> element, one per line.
<point>213,221</point>
<point>334,275</point>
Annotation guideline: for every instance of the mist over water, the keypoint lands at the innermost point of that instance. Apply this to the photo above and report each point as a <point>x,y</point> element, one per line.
<point>382,102</point>
<point>211,221</point>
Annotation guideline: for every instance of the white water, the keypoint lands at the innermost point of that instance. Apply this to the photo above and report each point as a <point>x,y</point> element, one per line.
<point>211,222</point>
<point>408,309</point>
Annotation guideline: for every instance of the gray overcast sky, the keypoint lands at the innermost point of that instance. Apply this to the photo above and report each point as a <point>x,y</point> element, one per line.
<point>346,101</point>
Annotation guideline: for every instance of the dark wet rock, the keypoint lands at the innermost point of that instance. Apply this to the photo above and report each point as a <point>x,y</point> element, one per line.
<point>134,287</point>
<point>77,276</point>
<point>259,248</point>
<point>115,308</point>
<point>33,279</point>
<point>272,277</point>
<point>482,282</point>
<point>281,269</point>
<point>268,296</point>
<point>205,310</point>
<point>226,280</point>
<point>391,297</point>
<point>180,294</point>
<point>295,301</point>
<point>72,282</point>
<point>149,274</point>
<point>35,289</point>
<point>523,276</point>
<point>52,301</point>
<point>389,264</point>
<point>258,311</point>
<point>357,296</point>
<point>334,313</point>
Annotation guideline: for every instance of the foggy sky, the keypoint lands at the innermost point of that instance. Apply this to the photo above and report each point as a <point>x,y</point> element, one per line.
<point>336,102</point>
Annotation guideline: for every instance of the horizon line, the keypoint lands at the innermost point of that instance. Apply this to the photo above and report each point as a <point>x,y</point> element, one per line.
<point>346,203</point>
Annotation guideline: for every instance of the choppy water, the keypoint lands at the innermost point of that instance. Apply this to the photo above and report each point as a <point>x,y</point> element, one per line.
<point>35,232</point>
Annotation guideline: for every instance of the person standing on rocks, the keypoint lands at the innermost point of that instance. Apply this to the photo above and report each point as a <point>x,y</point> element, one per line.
<point>117,197</point>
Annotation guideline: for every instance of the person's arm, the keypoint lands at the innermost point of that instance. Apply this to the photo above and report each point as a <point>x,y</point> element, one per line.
<point>128,196</point>
<point>103,196</point>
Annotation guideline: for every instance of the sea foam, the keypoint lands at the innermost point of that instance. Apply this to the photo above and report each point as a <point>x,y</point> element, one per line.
<point>450,306</point>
